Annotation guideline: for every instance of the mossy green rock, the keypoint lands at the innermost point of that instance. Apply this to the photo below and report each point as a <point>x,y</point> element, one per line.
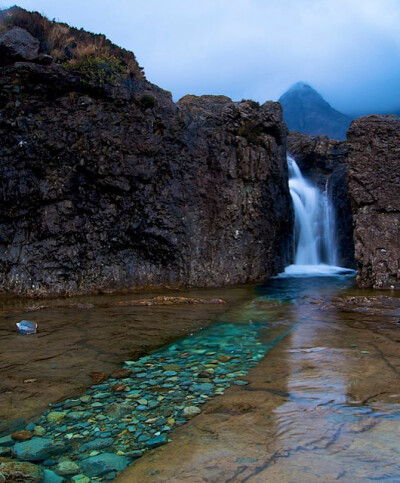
<point>56,416</point>
<point>17,471</point>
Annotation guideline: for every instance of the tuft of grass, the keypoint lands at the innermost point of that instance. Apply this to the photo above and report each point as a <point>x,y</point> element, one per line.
<point>98,70</point>
<point>250,131</point>
<point>147,101</point>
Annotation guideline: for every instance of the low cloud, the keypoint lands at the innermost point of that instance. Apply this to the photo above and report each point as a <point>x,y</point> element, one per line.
<point>349,50</point>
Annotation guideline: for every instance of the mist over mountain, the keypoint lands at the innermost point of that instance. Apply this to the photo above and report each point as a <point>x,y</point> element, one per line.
<point>306,111</point>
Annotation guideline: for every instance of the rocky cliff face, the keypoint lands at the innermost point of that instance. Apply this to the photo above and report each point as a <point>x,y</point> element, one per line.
<point>107,184</point>
<point>324,160</point>
<point>306,111</point>
<point>374,185</point>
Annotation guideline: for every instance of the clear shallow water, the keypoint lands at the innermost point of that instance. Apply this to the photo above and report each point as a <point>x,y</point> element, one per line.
<point>325,396</point>
<point>123,417</point>
<point>323,405</point>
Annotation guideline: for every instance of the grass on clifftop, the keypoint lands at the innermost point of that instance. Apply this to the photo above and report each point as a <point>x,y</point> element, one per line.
<point>75,48</point>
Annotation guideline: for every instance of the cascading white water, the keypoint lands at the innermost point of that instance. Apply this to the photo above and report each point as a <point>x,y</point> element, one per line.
<point>315,243</point>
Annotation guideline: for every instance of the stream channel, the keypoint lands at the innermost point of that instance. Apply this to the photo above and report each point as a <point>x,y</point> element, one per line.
<point>297,381</point>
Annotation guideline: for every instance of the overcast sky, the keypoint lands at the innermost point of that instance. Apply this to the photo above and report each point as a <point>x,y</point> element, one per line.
<point>348,50</point>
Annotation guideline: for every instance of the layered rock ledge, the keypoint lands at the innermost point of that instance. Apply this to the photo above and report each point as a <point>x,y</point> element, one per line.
<point>374,186</point>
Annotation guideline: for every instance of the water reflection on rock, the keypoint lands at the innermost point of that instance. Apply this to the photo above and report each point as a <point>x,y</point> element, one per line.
<point>322,406</point>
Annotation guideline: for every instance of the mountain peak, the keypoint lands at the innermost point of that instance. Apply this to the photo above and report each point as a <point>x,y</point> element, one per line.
<point>306,111</point>
<point>299,85</point>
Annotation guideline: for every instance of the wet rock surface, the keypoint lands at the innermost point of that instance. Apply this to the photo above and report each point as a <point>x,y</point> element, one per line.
<point>374,186</point>
<point>107,184</point>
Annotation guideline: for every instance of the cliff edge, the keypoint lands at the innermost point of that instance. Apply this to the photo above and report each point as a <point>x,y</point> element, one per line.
<point>374,187</point>
<point>107,184</point>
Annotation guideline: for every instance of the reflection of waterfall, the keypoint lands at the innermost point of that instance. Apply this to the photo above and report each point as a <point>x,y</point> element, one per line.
<point>314,221</point>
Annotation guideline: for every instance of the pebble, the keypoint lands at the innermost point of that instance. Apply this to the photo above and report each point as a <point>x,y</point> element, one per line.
<point>39,431</point>
<point>22,435</point>
<point>55,417</point>
<point>77,415</point>
<point>51,477</point>
<point>191,411</point>
<point>80,479</point>
<point>6,441</point>
<point>67,468</point>
<point>157,441</point>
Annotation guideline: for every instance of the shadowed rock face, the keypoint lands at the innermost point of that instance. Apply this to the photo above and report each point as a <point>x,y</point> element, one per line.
<point>306,111</point>
<point>322,159</point>
<point>107,184</point>
<point>374,186</point>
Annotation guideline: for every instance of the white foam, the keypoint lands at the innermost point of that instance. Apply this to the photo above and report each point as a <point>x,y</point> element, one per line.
<point>320,270</point>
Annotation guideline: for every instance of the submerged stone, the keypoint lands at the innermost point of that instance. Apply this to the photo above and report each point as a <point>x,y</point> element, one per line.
<point>11,470</point>
<point>38,449</point>
<point>191,411</point>
<point>67,468</point>
<point>98,443</point>
<point>51,477</point>
<point>157,441</point>
<point>80,479</point>
<point>56,416</point>
<point>103,463</point>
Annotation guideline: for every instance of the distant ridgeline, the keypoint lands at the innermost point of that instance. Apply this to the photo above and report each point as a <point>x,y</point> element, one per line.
<point>305,111</point>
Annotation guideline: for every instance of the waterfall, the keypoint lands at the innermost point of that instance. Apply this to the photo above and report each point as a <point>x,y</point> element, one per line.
<point>315,240</point>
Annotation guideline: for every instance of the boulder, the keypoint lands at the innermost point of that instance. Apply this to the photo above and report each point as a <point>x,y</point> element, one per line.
<point>18,44</point>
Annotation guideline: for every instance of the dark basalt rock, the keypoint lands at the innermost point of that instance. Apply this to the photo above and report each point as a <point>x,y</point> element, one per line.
<point>18,44</point>
<point>324,160</point>
<point>107,184</point>
<point>374,186</point>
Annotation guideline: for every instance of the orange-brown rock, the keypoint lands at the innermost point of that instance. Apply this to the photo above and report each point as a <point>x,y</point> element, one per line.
<point>118,387</point>
<point>22,435</point>
<point>121,374</point>
<point>99,377</point>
